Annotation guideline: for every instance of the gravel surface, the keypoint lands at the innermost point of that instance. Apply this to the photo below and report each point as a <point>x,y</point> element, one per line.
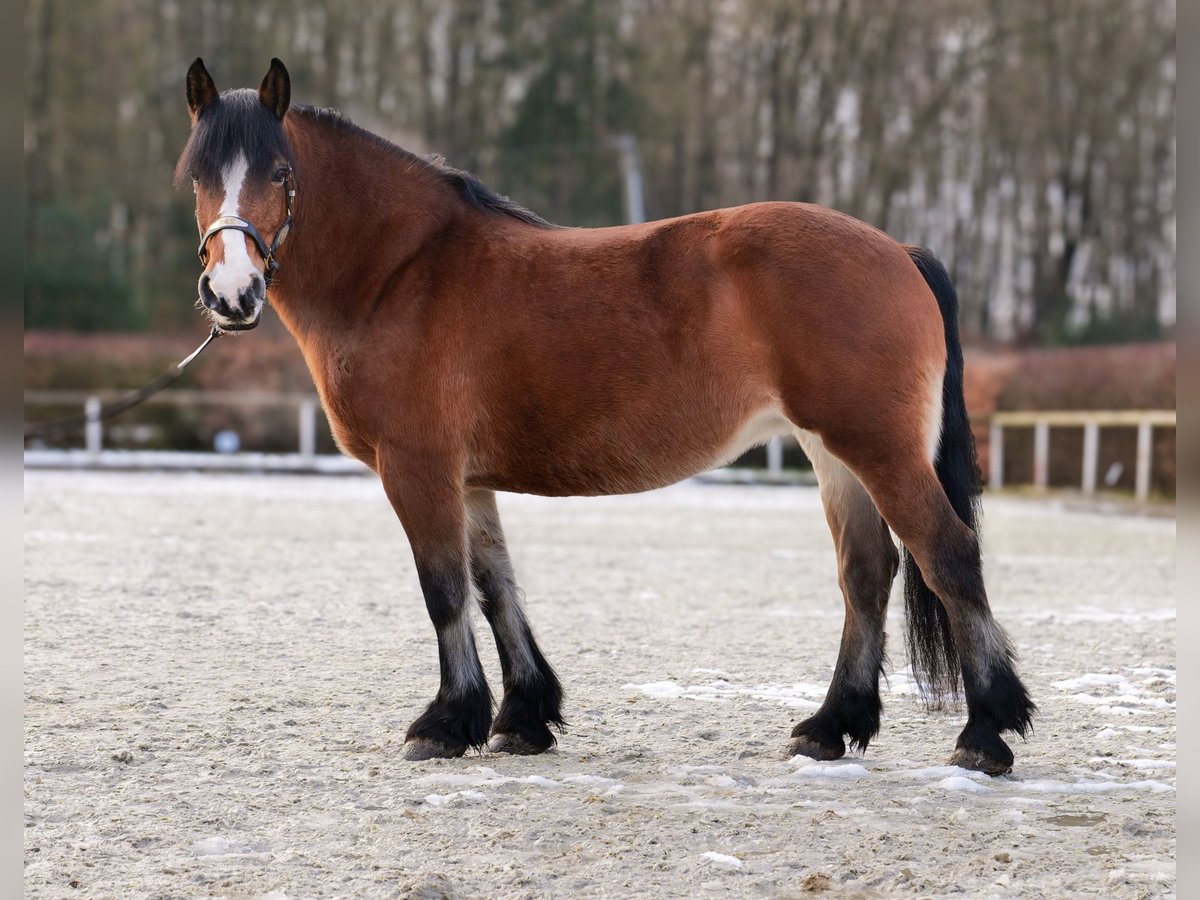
<point>219,671</point>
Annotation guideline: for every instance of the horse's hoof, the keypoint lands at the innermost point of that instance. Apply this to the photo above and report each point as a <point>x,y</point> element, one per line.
<point>804,745</point>
<point>978,761</point>
<point>418,749</point>
<point>515,744</point>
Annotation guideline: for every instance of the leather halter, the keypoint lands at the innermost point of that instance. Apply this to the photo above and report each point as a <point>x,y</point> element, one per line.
<point>238,224</point>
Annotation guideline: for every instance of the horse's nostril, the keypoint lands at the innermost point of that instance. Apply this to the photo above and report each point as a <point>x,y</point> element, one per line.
<point>207,297</point>
<point>248,299</point>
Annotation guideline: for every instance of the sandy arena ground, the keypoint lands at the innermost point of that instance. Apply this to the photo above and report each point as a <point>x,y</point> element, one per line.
<point>219,671</point>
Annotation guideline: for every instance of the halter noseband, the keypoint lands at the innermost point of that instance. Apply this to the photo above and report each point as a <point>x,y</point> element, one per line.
<point>237,224</point>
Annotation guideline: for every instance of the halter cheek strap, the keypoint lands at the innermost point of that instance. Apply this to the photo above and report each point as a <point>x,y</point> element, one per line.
<point>234,223</point>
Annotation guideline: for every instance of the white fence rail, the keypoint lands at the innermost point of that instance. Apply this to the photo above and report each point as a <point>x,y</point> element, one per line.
<point>306,406</point>
<point>1145,421</point>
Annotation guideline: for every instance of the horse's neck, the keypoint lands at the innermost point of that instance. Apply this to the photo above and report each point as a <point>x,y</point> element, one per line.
<point>360,214</point>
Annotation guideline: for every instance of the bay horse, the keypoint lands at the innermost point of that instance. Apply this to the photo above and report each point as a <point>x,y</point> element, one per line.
<point>461,345</point>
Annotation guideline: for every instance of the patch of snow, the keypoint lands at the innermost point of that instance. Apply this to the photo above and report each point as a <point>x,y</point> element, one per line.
<point>213,846</point>
<point>904,683</point>
<point>599,780</point>
<point>541,781</point>
<point>798,695</point>
<point>939,772</point>
<point>218,846</point>
<point>440,800</point>
<point>1124,700</point>
<point>1111,694</point>
<point>659,690</point>
<point>841,770</point>
<point>1089,680</point>
<point>723,859</point>
<point>962,783</point>
<point>487,777</point>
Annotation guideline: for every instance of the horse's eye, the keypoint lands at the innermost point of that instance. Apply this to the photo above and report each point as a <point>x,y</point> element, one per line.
<point>280,175</point>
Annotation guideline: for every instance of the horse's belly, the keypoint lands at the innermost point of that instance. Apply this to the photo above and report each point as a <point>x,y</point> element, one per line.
<point>627,459</point>
<point>765,424</point>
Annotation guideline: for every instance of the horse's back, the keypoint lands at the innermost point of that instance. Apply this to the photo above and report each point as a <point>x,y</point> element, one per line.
<point>780,258</point>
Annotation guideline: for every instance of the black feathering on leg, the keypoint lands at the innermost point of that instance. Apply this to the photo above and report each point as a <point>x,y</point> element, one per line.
<point>1005,701</point>
<point>848,711</point>
<point>1004,705</point>
<point>449,726</point>
<point>532,703</point>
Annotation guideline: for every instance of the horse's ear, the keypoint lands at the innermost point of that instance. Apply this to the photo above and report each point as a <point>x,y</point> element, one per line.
<point>201,89</point>
<point>276,89</point>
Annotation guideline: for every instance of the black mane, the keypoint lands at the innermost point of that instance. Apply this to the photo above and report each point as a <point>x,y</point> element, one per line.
<point>476,194</point>
<point>235,122</point>
<point>479,195</point>
<point>238,121</point>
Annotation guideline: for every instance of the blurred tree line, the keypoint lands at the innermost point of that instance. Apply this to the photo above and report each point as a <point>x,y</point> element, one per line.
<point>1030,143</point>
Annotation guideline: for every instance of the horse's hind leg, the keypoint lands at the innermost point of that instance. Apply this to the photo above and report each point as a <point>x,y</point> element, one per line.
<point>532,693</point>
<point>959,632</point>
<point>867,563</point>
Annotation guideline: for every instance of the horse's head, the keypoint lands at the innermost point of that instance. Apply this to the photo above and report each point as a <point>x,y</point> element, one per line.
<point>240,166</point>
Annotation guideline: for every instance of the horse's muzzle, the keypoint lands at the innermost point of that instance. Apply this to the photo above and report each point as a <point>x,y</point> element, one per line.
<point>242,313</point>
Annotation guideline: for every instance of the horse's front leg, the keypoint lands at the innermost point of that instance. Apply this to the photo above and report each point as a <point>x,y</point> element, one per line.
<point>430,507</point>
<point>532,693</point>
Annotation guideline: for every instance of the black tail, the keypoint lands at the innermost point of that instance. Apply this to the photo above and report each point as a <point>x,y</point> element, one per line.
<point>930,642</point>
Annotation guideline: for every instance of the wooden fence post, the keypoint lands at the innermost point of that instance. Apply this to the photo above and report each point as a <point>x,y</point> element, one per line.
<point>996,456</point>
<point>775,456</point>
<point>94,430</point>
<point>1145,446</point>
<point>1091,455</point>
<point>1041,454</point>
<point>308,428</point>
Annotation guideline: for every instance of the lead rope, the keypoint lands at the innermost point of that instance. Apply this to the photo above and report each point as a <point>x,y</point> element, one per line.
<point>170,376</point>
<point>130,400</point>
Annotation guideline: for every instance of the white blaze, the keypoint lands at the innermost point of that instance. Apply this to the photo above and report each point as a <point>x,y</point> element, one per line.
<point>236,271</point>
